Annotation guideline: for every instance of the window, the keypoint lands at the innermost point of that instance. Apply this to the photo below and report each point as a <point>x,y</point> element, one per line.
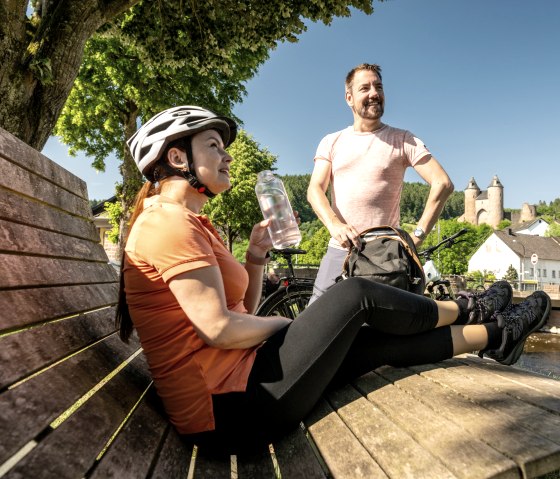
<point>544,273</point>
<point>553,273</point>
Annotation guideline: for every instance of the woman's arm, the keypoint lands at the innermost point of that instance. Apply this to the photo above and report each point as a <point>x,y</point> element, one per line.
<point>201,295</point>
<point>259,245</point>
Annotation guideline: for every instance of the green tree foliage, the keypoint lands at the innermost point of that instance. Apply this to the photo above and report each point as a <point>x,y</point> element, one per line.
<point>503,224</point>
<point>114,214</point>
<point>296,187</point>
<point>160,54</point>
<point>511,274</point>
<point>413,200</point>
<point>553,229</point>
<point>552,210</point>
<point>455,259</point>
<point>41,53</point>
<point>239,249</point>
<point>480,279</point>
<point>234,212</point>
<point>315,238</point>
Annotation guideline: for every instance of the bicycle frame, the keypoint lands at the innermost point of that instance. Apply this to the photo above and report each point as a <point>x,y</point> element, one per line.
<point>293,293</point>
<point>437,287</point>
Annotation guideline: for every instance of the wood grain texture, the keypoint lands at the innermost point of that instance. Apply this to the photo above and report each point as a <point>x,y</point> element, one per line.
<point>27,352</point>
<point>33,271</point>
<point>341,450</point>
<point>23,155</point>
<point>37,305</point>
<point>29,408</point>
<point>28,183</point>
<point>23,210</point>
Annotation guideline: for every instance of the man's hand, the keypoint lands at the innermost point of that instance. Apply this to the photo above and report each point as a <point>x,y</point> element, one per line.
<point>345,234</point>
<point>417,242</point>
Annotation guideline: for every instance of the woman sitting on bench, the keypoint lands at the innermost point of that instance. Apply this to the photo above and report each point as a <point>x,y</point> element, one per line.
<point>232,380</point>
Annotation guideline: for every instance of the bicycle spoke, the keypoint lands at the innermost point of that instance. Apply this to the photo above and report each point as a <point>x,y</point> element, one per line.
<point>288,303</point>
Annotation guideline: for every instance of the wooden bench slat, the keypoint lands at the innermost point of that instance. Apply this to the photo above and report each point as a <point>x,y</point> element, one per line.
<point>256,465</point>
<point>394,450</point>
<point>213,466</point>
<point>43,304</point>
<point>26,352</point>
<point>27,157</point>
<point>175,456</point>
<point>135,449</point>
<point>337,444</point>
<point>520,377</point>
<point>70,450</point>
<point>51,271</point>
<point>484,421</point>
<point>29,408</point>
<point>434,430</point>
<point>478,386</point>
<point>295,445</point>
<point>19,209</point>
<point>28,183</point>
<point>22,239</point>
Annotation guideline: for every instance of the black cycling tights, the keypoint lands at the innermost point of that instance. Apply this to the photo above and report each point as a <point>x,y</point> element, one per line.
<point>355,327</point>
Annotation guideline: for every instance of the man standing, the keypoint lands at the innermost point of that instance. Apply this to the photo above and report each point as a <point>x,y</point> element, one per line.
<point>366,163</point>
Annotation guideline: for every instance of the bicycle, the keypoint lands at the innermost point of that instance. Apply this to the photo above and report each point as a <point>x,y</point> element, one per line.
<point>292,295</point>
<point>437,287</point>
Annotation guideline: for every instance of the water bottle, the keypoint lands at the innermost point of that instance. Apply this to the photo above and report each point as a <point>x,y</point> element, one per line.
<point>274,203</point>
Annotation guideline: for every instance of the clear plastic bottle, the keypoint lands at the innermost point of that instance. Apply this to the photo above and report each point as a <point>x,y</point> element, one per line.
<point>274,203</point>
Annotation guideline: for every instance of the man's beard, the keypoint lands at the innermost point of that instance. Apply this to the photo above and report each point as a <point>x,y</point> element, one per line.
<point>365,113</point>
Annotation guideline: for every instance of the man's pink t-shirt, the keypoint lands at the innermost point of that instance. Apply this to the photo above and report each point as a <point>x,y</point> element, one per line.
<point>367,173</point>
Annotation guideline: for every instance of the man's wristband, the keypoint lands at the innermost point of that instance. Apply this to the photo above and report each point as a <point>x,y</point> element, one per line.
<point>251,258</point>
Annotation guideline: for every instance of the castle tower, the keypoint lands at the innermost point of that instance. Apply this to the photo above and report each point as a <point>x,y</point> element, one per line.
<point>495,202</point>
<point>471,193</point>
<point>528,213</point>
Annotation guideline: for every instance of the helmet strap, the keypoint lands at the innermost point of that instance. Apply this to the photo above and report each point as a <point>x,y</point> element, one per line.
<point>197,185</point>
<point>188,174</point>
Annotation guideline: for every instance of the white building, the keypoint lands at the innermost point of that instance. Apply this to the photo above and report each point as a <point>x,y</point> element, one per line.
<point>505,248</point>
<point>537,227</point>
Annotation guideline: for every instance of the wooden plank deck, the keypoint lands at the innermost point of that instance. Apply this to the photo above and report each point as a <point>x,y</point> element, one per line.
<point>463,418</point>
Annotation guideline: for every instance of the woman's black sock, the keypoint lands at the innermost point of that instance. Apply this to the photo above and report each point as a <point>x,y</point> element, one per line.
<point>494,335</point>
<point>463,316</point>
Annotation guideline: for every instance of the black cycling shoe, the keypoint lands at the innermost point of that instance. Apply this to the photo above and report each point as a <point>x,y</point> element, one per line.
<point>520,321</point>
<point>482,307</point>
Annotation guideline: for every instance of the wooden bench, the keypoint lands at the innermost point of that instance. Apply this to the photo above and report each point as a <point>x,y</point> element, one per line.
<point>77,402</point>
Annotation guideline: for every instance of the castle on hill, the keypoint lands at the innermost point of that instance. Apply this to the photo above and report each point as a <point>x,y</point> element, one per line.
<point>488,206</point>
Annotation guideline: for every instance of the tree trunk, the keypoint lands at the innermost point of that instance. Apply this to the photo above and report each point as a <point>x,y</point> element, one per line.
<point>40,63</point>
<point>132,178</point>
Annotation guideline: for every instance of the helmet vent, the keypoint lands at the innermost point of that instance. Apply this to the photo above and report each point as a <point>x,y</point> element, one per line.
<point>161,127</point>
<point>145,150</point>
<point>193,119</point>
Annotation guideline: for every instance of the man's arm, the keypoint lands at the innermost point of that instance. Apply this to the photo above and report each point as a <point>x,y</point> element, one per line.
<point>316,195</point>
<point>441,188</point>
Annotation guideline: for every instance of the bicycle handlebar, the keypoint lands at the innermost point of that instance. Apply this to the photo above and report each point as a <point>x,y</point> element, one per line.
<point>289,251</point>
<point>445,241</point>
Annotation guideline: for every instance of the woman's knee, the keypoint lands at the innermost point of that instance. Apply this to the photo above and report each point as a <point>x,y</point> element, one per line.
<point>359,287</point>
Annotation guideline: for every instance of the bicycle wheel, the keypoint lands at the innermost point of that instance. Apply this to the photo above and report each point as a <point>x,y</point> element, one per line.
<point>288,302</point>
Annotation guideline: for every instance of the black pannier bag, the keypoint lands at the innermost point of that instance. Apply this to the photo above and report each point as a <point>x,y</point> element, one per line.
<point>387,255</point>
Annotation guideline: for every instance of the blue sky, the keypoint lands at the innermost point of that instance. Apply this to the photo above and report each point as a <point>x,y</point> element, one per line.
<point>476,80</point>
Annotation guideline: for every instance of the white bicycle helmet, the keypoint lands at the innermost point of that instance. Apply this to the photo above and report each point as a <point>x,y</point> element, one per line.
<point>151,139</point>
